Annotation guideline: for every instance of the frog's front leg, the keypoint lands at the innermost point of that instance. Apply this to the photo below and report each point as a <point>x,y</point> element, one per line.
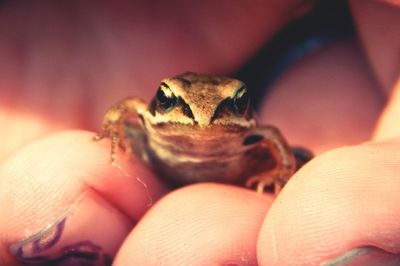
<point>285,162</point>
<point>116,120</point>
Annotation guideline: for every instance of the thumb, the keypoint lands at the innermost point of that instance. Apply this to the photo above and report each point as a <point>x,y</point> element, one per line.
<point>341,203</point>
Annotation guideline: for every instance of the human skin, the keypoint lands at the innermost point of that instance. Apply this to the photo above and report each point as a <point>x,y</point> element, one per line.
<point>55,78</point>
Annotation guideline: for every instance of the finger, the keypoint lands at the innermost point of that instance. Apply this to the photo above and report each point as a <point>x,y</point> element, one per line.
<point>61,200</point>
<point>314,103</point>
<point>206,224</point>
<point>381,50</point>
<point>81,83</point>
<point>388,125</point>
<point>341,201</point>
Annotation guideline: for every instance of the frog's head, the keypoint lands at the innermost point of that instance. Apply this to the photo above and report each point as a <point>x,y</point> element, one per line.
<point>202,101</point>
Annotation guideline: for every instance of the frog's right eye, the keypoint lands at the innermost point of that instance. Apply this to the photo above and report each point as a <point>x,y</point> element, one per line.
<point>241,100</point>
<point>166,100</point>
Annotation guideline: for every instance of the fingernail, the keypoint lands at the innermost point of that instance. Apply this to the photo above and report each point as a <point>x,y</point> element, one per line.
<point>365,256</point>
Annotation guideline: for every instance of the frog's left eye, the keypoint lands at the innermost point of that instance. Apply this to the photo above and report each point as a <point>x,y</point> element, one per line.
<point>166,100</point>
<point>241,100</point>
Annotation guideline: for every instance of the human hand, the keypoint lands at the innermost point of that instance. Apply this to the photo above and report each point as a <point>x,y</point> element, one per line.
<point>330,203</point>
<point>204,223</point>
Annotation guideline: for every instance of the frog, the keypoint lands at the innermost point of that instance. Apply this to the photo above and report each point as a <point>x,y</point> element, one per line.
<point>201,128</point>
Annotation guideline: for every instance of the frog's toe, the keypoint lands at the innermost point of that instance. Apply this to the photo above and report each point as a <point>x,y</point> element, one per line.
<point>261,183</point>
<point>98,136</point>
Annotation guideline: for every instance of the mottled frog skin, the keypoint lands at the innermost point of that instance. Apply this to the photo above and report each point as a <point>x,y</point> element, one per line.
<point>201,128</point>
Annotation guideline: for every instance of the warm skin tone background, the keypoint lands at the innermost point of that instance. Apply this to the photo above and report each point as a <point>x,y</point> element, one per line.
<point>62,65</point>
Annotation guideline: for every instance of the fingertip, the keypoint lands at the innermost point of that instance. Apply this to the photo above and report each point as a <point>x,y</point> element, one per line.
<point>203,224</point>
<point>344,199</point>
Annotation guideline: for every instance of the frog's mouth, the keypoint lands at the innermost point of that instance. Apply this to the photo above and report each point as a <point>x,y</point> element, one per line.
<point>195,144</point>
<point>176,128</point>
<point>227,121</point>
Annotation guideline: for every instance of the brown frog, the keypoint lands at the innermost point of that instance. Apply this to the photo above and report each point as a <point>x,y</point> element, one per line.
<point>200,128</point>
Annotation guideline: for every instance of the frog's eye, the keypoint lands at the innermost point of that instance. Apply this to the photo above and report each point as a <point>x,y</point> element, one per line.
<point>166,100</point>
<point>241,100</point>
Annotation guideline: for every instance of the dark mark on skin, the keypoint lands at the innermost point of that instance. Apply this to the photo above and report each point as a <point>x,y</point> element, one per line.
<point>81,253</point>
<point>43,249</point>
<point>252,139</point>
<point>185,82</point>
<point>48,239</point>
<point>39,242</point>
<point>164,85</point>
<point>84,251</point>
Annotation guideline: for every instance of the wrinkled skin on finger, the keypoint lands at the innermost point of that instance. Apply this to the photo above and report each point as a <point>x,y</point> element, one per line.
<point>345,199</point>
<point>205,224</point>
<point>60,195</point>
